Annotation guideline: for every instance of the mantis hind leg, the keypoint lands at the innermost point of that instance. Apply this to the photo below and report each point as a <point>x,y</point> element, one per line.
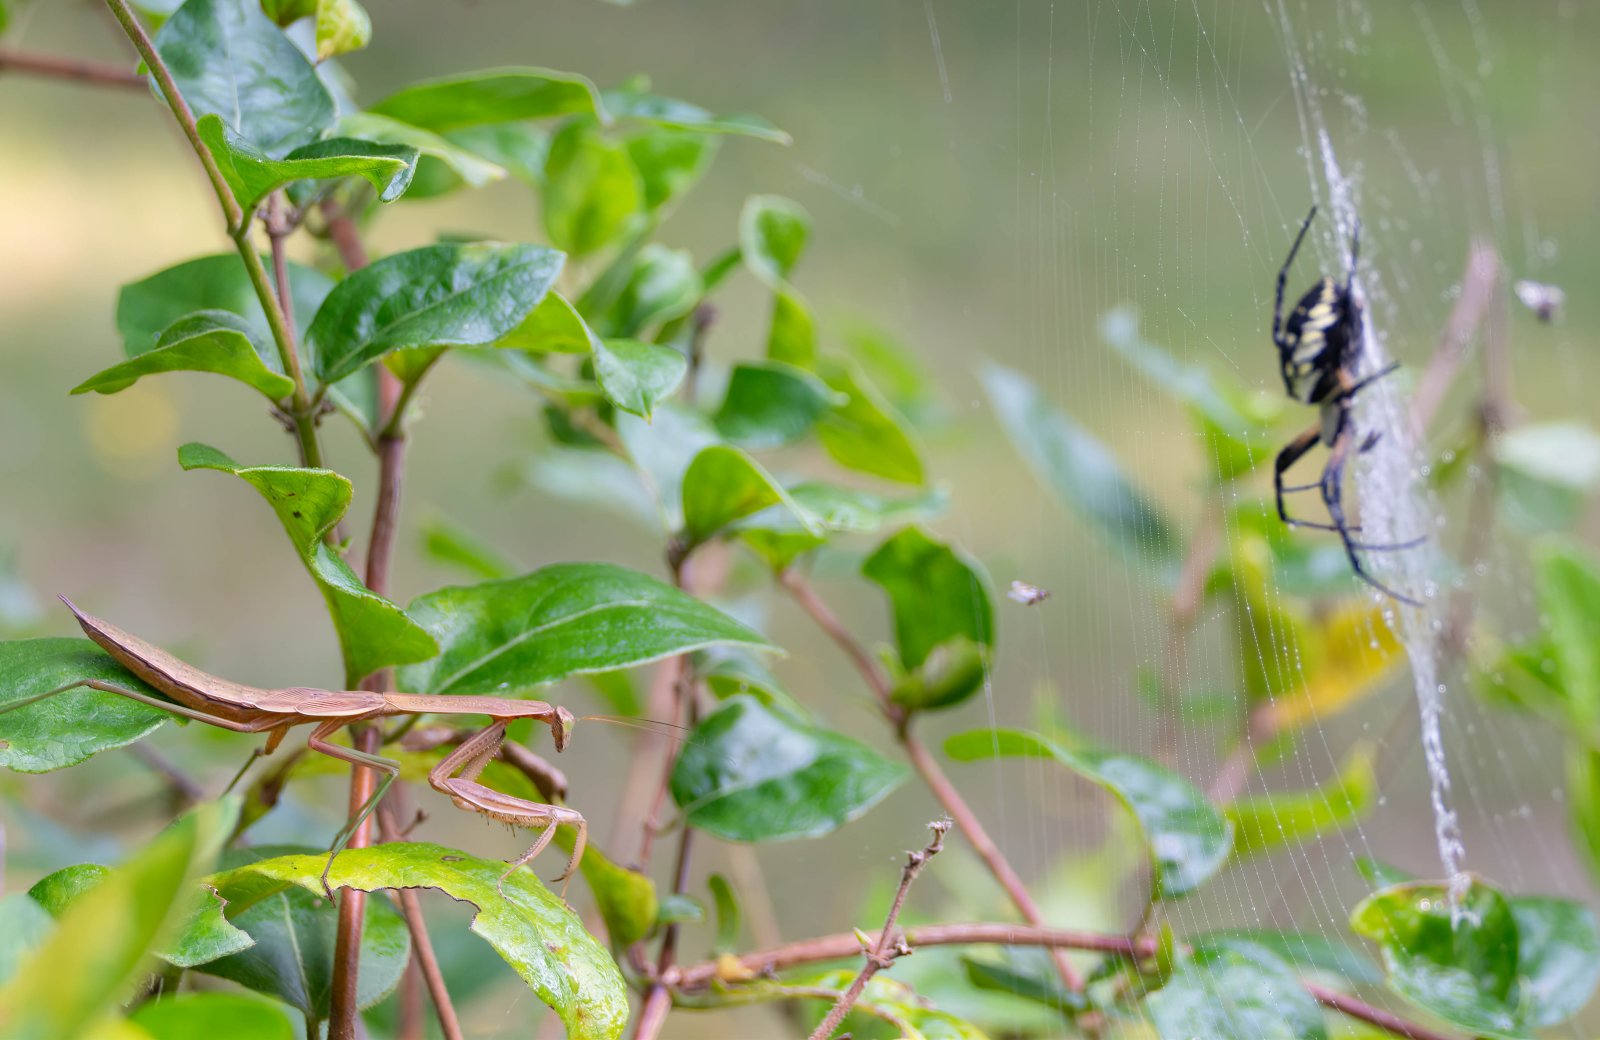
<point>318,741</point>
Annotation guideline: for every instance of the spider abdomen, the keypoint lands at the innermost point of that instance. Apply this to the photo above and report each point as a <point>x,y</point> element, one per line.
<point>1316,338</point>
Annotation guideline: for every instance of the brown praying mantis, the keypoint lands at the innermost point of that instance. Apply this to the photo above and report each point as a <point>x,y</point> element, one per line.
<point>207,698</point>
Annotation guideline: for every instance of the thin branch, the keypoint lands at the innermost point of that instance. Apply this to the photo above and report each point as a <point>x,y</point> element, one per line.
<point>1479,283</point>
<point>842,945</point>
<point>421,943</point>
<point>885,950</point>
<point>943,790</point>
<point>184,790</point>
<point>57,67</point>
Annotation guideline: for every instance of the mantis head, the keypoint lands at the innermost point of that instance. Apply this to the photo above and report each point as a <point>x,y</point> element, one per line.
<point>561,727</point>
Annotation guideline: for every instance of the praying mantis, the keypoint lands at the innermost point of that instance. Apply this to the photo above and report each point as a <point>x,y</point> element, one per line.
<point>207,698</point>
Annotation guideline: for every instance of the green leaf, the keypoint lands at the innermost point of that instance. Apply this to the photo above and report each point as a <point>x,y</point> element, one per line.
<point>341,26</point>
<point>1081,471</point>
<point>553,327</point>
<point>1464,972</point>
<point>626,899</point>
<point>294,932</point>
<point>769,404</point>
<point>1546,472</point>
<point>204,934</point>
<point>229,60</point>
<point>669,163</point>
<point>723,485</point>
<point>1022,972</point>
<point>443,165</point>
<point>95,956</point>
<point>491,96</point>
<point>253,175</point>
<point>865,433</point>
<point>729,923</point>
<point>750,774</point>
<point>148,308</point>
<point>772,234</point>
<point>1188,838</point>
<point>592,193</point>
<point>936,593</point>
<point>561,620</point>
<point>206,1016</point>
<point>792,336</point>
<point>779,538</point>
<point>529,926</point>
<point>663,284</point>
<point>373,632</point>
<point>1235,989</point>
<point>67,728</point>
<point>1558,957</point>
<point>448,295</point>
<point>452,545</point>
<point>518,148</point>
<point>215,341</point>
<point>681,115</point>
<point>1305,951</point>
<point>636,375</point>
<point>662,449</point>
<point>1567,578</point>
<point>679,908</point>
<point>1583,797</point>
<point>24,926</point>
<point>1271,821</point>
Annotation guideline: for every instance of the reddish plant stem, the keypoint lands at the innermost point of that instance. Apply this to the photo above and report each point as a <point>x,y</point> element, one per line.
<point>343,1012</point>
<point>845,944</point>
<point>57,67</point>
<point>885,950</point>
<point>926,765</point>
<point>423,960</point>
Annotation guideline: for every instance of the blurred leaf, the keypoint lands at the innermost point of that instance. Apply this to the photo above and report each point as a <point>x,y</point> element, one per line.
<point>792,337</point>
<point>518,148</point>
<point>207,1016</point>
<point>1305,951</point>
<point>891,365</point>
<point>24,925</point>
<point>953,671</point>
<point>1268,822</point>
<point>662,449</point>
<point>373,632</point>
<point>731,672</point>
<point>1379,874</point>
<point>772,234</point>
<point>1345,659</point>
<point>148,308</point>
<point>1023,972</point>
<point>252,175</point>
<point>662,284</point>
<point>1567,578</point>
<point>536,933</point>
<point>553,327</point>
<point>595,479</point>
<point>592,193</point>
<point>778,537</point>
<point>294,933</point>
<point>203,935</point>
<point>564,619</point>
<point>341,26</point>
<point>229,60</point>
<point>729,924</point>
<point>215,341</point>
<point>1081,471</point>
<point>442,165</point>
<point>491,96</point>
<point>678,908</point>
<point>936,593</point>
<point>681,115</point>
<point>65,729</point>
<point>449,295</point>
<point>1583,799</point>
<point>769,404</point>
<point>452,545</point>
<point>93,959</point>
<point>723,485</point>
<point>636,375</point>
<point>1235,989</point>
<point>626,899</point>
<point>866,434</point>
<point>670,162</point>
<point>1547,470</point>
<point>748,774</point>
<point>1188,838</point>
<point>1466,972</point>
<point>1558,957</point>
<point>888,1008</point>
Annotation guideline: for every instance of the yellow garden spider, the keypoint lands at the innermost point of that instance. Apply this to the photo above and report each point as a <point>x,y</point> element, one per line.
<point>1319,348</point>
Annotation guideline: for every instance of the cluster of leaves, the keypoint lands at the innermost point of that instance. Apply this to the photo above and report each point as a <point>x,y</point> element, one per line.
<point>605,327</point>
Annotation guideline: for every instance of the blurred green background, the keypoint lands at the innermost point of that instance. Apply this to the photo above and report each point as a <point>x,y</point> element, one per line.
<point>988,196</point>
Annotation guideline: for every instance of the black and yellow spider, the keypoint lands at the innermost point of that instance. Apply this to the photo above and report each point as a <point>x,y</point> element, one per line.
<point>1319,349</point>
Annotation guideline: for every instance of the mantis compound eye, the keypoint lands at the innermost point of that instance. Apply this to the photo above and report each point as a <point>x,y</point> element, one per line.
<point>561,729</point>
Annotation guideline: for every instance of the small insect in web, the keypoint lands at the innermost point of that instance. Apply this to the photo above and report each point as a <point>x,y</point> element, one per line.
<point>1319,350</point>
<point>1027,595</point>
<point>1543,300</point>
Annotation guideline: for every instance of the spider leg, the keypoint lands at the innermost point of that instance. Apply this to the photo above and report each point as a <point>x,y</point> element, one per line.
<point>1283,276</point>
<point>1355,253</point>
<point>1360,383</point>
<point>1333,497</point>
<point>1292,453</point>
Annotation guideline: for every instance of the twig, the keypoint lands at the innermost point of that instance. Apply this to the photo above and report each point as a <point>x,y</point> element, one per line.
<point>422,955</point>
<point>885,950</point>
<point>845,944</point>
<point>550,782</point>
<point>922,759</point>
<point>1260,727</point>
<point>57,67</point>
<point>238,225</point>
<point>1479,283</point>
<point>703,317</point>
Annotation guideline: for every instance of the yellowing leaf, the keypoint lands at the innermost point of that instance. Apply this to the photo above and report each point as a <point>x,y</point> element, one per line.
<point>1358,650</point>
